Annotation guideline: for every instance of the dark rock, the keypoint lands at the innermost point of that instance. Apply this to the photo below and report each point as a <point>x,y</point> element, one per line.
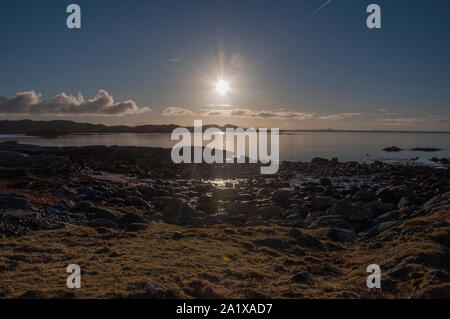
<point>342,235</point>
<point>103,222</point>
<point>364,195</point>
<point>392,149</point>
<point>135,201</point>
<point>325,181</point>
<point>14,159</point>
<point>320,161</point>
<point>426,149</point>
<point>269,212</point>
<point>224,193</point>
<point>177,235</point>
<point>106,213</point>
<point>136,226</point>
<point>83,206</point>
<point>379,208</point>
<point>322,202</point>
<point>178,213</point>
<point>281,196</point>
<point>236,208</point>
<point>155,290</point>
<point>131,218</point>
<point>392,194</point>
<point>301,277</point>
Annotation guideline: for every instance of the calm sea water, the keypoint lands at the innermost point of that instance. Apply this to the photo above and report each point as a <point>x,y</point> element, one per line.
<point>296,146</point>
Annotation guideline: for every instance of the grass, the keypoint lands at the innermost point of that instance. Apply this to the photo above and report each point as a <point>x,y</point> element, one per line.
<point>204,263</point>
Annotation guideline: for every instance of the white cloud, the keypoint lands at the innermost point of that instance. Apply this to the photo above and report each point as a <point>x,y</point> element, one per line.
<point>340,116</point>
<point>30,103</point>
<point>176,111</point>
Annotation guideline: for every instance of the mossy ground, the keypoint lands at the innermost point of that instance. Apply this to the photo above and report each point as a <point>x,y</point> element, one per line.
<point>205,263</point>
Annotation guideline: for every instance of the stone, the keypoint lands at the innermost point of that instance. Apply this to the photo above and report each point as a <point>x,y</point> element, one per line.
<point>178,213</point>
<point>136,226</point>
<point>301,277</point>
<point>131,218</point>
<point>236,208</point>
<point>341,235</point>
<point>155,290</point>
<point>103,222</point>
<point>269,212</point>
<point>325,181</point>
<point>83,206</point>
<point>281,196</point>
<point>392,194</point>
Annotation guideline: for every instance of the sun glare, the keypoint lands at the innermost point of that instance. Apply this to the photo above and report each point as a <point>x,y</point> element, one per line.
<point>222,87</point>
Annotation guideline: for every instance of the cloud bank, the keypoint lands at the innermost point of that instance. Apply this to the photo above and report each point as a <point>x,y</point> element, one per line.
<point>30,103</point>
<point>258,114</point>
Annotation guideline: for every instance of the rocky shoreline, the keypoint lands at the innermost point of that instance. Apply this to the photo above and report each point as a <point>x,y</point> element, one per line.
<point>374,207</point>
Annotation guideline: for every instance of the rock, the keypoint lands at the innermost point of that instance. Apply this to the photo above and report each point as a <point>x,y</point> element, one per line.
<point>281,196</point>
<point>106,213</point>
<point>328,222</point>
<point>130,218</point>
<point>155,290</point>
<point>135,201</point>
<point>274,243</point>
<point>320,161</point>
<point>426,149</point>
<point>6,290</point>
<point>304,239</point>
<point>229,231</point>
<point>301,277</point>
<point>103,222</point>
<point>236,208</point>
<point>178,213</point>
<point>298,210</point>
<point>136,227</point>
<point>14,159</point>
<point>224,193</point>
<point>392,194</point>
<point>342,235</point>
<point>322,202</point>
<point>177,235</point>
<point>379,208</point>
<point>207,207</point>
<point>325,181</point>
<point>83,206</point>
<point>162,202</point>
<point>392,149</point>
<point>16,201</point>
<point>269,212</point>
<point>378,228</point>
<point>404,202</point>
<point>364,195</point>
<point>349,211</point>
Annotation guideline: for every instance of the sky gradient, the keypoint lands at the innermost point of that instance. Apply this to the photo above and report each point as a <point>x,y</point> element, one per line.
<point>289,65</point>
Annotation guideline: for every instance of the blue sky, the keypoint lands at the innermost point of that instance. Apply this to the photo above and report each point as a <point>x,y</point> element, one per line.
<point>286,68</point>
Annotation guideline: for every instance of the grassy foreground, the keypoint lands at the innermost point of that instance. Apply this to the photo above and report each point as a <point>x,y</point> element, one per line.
<point>247,262</point>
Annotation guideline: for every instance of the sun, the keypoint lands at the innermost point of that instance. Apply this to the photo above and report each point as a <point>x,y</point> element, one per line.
<point>222,87</point>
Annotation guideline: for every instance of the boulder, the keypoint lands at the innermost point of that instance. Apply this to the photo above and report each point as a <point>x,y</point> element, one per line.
<point>131,218</point>
<point>269,212</point>
<point>103,222</point>
<point>281,196</point>
<point>236,208</point>
<point>392,194</point>
<point>342,235</point>
<point>178,213</point>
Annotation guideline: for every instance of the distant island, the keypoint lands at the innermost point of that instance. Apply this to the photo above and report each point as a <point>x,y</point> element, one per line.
<point>57,128</point>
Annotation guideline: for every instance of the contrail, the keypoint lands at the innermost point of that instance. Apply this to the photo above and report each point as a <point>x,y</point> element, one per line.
<point>321,7</point>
